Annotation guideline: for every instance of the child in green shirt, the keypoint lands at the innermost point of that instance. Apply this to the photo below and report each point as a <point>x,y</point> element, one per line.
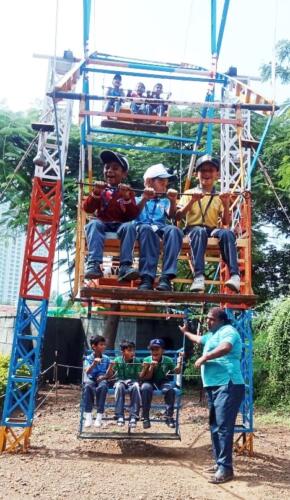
<point>126,370</point>
<point>154,375</point>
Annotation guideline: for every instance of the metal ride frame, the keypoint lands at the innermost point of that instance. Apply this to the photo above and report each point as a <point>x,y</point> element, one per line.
<point>45,210</point>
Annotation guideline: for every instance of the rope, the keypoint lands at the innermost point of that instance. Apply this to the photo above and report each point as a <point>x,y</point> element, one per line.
<point>188,25</point>
<point>273,65</point>
<point>271,185</point>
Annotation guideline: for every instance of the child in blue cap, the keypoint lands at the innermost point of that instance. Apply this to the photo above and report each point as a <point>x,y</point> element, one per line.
<point>155,372</point>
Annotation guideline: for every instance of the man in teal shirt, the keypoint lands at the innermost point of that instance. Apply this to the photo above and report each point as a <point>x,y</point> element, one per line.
<point>224,384</point>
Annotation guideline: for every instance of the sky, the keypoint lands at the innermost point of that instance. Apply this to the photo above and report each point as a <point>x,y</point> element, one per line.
<point>165,30</point>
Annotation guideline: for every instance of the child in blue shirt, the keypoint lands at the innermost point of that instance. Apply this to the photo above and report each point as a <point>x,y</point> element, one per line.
<point>114,91</point>
<point>155,206</point>
<point>96,368</point>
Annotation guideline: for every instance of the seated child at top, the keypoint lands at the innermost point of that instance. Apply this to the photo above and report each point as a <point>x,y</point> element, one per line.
<point>114,91</point>
<point>155,375</point>
<point>96,367</point>
<point>126,369</point>
<point>155,205</point>
<point>138,107</point>
<point>112,204</point>
<point>202,209</point>
<point>158,108</point>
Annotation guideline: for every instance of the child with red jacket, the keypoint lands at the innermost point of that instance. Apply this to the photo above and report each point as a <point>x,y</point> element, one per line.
<point>113,204</point>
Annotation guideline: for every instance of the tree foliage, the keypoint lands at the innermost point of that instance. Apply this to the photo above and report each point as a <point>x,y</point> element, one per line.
<point>282,66</point>
<point>272,354</point>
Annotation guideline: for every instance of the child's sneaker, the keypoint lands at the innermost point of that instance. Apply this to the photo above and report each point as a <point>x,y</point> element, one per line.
<point>198,284</point>
<point>146,423</point>
<point>132,423</point>
<point>164,284</point>
<point>120,422</point>
<point>146,283</point>
<point>88,420</point>
<point>127,273</point>
<point>170,422</point>
<point>234,283</point>
<point>93,271</point>
<point>99,420</point>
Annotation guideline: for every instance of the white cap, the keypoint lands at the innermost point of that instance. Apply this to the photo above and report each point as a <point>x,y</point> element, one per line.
<point>157,171</point>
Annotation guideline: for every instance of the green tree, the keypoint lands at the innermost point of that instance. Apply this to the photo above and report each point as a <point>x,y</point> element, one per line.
<point>282,66</point>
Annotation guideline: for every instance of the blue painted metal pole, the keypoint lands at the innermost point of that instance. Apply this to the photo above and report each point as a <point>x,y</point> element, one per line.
<point>126,60</point>
<point>153,149</point>
<point>222,26</point>
<point>86,26</point>
<point>103,130</point>
<point>258,151</point>
<point>220,79</point>
<point>213,27</point>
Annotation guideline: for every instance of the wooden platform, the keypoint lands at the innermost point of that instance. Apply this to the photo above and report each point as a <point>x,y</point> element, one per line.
<point>135,125</point>
<point>127,293</point>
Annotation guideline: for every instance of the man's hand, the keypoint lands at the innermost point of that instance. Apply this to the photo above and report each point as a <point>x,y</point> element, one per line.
<point>125,191</point>
<point>148,194</point>
<point>99,186</point>
<point>172,194</point>
<point>225,198</point>
<point>97,361</point>
<point>183,328</point>
<point>200,361</point>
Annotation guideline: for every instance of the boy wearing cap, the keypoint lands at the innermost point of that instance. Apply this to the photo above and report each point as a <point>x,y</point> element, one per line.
<point>126,369</point>
<point>113,204</point>
<point>155,206</point>
<point>202,209</point>
<point>156,369</point>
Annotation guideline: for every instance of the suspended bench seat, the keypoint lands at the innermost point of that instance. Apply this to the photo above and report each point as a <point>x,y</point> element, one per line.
<point>158,430</point>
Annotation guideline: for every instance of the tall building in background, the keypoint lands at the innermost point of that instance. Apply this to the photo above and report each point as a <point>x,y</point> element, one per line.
<point>12,244</point>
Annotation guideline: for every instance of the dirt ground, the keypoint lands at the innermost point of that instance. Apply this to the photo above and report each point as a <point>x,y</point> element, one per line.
<point>59,465</point>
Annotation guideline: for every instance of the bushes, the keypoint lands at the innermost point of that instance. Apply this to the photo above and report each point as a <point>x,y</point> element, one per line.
<point>4,365</point>
<point>272,355</point>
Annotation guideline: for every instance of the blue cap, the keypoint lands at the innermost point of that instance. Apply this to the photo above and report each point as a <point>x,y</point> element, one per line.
<point>157,343</point>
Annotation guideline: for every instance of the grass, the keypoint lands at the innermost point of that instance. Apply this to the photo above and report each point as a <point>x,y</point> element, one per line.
<point>279,416</point>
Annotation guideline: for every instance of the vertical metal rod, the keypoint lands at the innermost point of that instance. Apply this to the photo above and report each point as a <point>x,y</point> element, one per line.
<point>258,150</point>
<point>222,26</point>
<point>86,26</point>
<point>213,27</point>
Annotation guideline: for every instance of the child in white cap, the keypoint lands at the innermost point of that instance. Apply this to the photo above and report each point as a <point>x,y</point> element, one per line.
<point>156,205</point>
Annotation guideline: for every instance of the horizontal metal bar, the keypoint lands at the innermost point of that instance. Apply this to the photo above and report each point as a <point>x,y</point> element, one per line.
<point>152,75</point>
<point>139,314</point>
<point>166,119</point>
<point>148,66</point>
<point>117,58</point>
<point>147,100</point>
<point>133,435</point>
<point>144,134</point>
<point>154,149</point>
